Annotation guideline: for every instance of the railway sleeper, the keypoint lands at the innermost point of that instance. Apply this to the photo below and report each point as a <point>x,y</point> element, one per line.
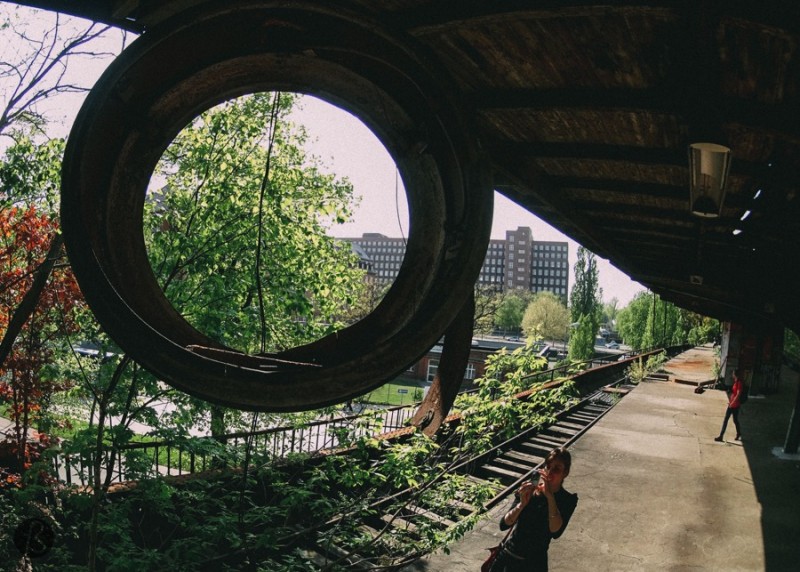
<point>401,524</point>
<point>595,407</point>
<point>378,543</point>
<point>558,432</point>
<point>572,425</point>
<point>580,417</point>
<point>461,508</point>
<point>512,464</point>
<point>429,521</point>
<point>432,516</point>
<point>542,443</point>
<point>323,560</point>
<point>617,390</point>
<point>505,476</point>
<point>528,459</point>
<point>606,399</point>
<point>316,558</point>
<point>534,449</point>
<point>598,406</point>
<point>329,552</point>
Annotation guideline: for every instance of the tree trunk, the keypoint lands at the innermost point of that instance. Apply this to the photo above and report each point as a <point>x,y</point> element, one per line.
<point>31,299</point>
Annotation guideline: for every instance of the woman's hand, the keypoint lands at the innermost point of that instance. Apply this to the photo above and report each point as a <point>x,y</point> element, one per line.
<point>544,487</point>
<point>526,491</point>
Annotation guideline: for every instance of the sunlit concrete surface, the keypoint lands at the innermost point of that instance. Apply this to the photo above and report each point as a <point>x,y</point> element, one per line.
<point>657,493</point>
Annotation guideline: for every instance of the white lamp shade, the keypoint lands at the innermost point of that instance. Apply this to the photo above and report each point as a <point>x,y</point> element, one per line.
<point>709,165</point>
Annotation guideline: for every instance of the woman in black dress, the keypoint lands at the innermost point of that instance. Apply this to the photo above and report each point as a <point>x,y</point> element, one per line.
<point>541,512</point>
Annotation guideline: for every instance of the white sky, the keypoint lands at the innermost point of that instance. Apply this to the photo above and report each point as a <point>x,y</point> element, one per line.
<point>349,149</point>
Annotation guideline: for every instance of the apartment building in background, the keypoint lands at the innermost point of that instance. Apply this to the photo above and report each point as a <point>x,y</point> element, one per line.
<point>518,262</point>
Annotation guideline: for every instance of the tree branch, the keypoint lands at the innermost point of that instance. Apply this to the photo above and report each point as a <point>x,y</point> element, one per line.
<point>40,73</point>
<point>31,298</point>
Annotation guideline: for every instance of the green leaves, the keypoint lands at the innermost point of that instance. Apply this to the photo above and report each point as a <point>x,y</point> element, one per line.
<point>494,413</point>
<point>245,256</point>
<point>585,305</point>
<point>648,321</point>
<point>581,343</point>
<point>511,310</point>
<point>546,317</point>
<point>30,175</point>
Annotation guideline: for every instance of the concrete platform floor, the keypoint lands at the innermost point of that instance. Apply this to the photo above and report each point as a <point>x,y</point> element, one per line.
<point>658,493</point>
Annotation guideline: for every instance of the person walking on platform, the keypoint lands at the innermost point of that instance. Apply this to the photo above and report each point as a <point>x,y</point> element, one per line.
<point>540,514</point>
<point>734,403</point>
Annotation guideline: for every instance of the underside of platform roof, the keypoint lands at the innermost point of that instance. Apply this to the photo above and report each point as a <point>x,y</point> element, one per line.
<point>585,111</point>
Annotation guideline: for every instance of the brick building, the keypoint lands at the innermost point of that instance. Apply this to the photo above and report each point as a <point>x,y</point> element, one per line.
<point>517,262</point>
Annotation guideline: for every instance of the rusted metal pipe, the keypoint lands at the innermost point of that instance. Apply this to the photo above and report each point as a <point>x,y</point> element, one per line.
<point>216,51</point>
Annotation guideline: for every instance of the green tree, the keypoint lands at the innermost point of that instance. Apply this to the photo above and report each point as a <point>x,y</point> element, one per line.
<point>238,236</point>
<point>585,303</point>
<point>648,321</point>
<point>546,317</point>
<point>30,174</point>
<point>702,329</point>
<point>511,310</point>
<point>495,413</point>
<point>581,343</point>
<point>365,299</point>
<point>664,325</point>
<point>610,310</point>
<point>586,296</point>
<point>632,319</point>
<point>238,231</point>
<point>41,315</point>
<point>487,302</point>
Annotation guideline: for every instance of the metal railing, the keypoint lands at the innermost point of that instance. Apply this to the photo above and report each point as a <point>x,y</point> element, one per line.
<point>188,456</point>
<point>199,454</point>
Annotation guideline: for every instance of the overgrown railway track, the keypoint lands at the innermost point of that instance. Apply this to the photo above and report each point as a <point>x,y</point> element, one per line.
<point>503,467</point>
<point>374,500</point>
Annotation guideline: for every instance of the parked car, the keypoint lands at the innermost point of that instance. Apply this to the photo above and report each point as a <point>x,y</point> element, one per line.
<point>612,345</point>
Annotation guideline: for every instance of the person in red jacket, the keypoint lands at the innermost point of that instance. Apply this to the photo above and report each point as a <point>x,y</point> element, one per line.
<point>734,402</point>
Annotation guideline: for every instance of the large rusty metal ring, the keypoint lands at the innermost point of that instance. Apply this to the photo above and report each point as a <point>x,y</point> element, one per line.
<point>205,56</point>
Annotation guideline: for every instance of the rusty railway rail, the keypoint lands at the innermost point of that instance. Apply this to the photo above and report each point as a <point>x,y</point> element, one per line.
<point>398,512</point>
<point>170,459</point>
<point>505,466</point>
<point>178,459</point>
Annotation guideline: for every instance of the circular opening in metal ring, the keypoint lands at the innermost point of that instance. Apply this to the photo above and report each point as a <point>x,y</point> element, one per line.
<point>241,216</point>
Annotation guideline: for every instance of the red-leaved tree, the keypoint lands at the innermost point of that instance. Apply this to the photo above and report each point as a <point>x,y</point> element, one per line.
<point>25,243</point>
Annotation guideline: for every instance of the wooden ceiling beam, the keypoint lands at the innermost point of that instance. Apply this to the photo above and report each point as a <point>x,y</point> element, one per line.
<point>781,117</point>
<point>651,100</point>
<point>635,189</point>
<point>591,151</point>
<point>444,15</point>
